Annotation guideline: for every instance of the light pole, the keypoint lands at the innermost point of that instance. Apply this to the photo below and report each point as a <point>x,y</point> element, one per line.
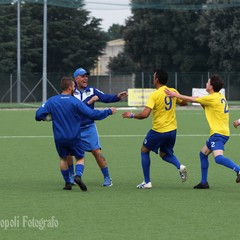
<point>44,74</point>
<point>18,52</point>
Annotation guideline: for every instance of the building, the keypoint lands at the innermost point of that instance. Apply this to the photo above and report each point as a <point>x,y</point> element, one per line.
<point>112,49</point>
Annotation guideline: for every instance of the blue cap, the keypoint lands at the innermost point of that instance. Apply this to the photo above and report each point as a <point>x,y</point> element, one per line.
<point>80,72</point>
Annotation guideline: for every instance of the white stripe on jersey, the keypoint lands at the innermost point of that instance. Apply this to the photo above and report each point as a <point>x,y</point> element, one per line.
<point>85,94</point>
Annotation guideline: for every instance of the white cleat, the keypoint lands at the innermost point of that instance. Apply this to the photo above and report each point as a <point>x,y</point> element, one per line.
<point>145,185</point>
<point>183,173</point>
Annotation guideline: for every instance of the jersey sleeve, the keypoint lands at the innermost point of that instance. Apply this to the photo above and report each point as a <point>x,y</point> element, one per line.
<point>204,100</point>
<point>150,102</point>
<point>106,98</point>
<point>42,112</point>
<point>93,114</point>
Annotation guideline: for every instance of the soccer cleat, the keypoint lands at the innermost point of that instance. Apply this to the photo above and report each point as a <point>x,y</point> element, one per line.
<point>183,173</point>
<point>238,178</point>
<point>145,185</point>
<point>68,186</point>
<point>80,183</point>
<point>107,182</point>
<point>202,186</point>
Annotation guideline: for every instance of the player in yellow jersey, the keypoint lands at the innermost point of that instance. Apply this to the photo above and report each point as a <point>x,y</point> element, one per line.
<point>216,111</point>
<point>161,138</point>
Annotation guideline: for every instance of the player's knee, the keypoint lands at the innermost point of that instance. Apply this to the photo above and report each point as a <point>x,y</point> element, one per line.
<point>162,154</point>
<point>144,149</point>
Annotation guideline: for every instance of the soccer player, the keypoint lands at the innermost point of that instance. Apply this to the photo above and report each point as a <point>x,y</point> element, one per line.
<point>89,134</point>
<point>216,110</point>
<point>161,138</point>
<point>66,113</point>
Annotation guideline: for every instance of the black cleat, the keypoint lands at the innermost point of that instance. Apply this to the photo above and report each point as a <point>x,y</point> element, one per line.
<point>68,186</point>
<point>238,178</point>
<point>80,183</point>
<point>202,186</point>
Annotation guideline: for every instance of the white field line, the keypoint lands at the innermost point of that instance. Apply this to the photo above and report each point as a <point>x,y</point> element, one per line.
<point>114,136</point>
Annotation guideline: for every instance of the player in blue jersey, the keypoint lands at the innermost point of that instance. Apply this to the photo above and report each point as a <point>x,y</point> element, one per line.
<point>216,110</point>
<point>89,133</point>
<point>66,115</point>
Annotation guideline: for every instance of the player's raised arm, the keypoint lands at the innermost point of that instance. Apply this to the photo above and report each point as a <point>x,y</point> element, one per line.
<point>122,95</point>
<point>180,96</point>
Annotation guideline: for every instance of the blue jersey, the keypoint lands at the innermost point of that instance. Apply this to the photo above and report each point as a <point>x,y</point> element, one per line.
<point>86,94</point>
<point>67,112</point>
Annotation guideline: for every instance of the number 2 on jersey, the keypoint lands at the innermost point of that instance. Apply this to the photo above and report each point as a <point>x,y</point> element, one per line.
<point>225,105</point>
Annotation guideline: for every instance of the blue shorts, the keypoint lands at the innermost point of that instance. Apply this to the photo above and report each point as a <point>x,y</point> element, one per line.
<point>216,142</point>
<point>73,148</point>
<point>90,138</point>
<point>162,141</point>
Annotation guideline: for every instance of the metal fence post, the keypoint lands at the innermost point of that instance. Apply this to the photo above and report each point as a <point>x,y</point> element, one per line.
<point>142,79</point>
<point>176,80</point>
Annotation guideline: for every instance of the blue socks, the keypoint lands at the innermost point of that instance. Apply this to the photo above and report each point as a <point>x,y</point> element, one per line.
<point>65,174</point>
<point>71,169</point>
<point>79,169</point>
<point>146,166</point>
<point>220,159</point>
<point>105,172</point>
<point>204,167</point>
<point>173,160</point>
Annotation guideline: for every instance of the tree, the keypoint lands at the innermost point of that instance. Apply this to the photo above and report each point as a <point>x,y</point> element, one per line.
<point>74,38</point>
<point>157,37</point>
<point>121,64</point>
<point>220,30</point>
<point>115,31</point>
<point>8,47</point>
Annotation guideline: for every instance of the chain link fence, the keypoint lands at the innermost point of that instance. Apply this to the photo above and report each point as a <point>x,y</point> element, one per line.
<point>31,84</point>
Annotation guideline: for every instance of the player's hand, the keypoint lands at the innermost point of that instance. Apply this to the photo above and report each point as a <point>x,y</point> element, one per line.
<point>122,95</point>
<point>236,123</point>
<point>114,110</point>
<point>93,99</point>
<point>170,93</point>
<point>126,114</point>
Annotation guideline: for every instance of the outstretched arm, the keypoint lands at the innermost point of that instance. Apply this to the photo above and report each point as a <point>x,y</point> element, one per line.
<point>94,114</point>
<point>122,95</point>
<point>141,115</point>
<point>177,95</point>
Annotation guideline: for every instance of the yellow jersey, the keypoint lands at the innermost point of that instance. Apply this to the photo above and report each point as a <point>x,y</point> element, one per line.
<point>163,110</point>
<point>216,111</point>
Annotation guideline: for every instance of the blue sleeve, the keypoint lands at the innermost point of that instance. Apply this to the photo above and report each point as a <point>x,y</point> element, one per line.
<point>106,98</point>
<point>93,114</point>
<point>42,112</point>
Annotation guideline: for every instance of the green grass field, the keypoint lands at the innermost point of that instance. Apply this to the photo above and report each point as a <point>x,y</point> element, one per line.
<point>31,185</point>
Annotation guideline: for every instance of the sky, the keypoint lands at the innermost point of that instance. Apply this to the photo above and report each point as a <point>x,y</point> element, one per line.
<point>111,11</point>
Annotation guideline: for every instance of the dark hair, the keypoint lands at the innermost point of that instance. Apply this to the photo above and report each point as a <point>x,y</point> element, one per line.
<point>162,76</point>
<point>217,82</point>
<point>66,82</point>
